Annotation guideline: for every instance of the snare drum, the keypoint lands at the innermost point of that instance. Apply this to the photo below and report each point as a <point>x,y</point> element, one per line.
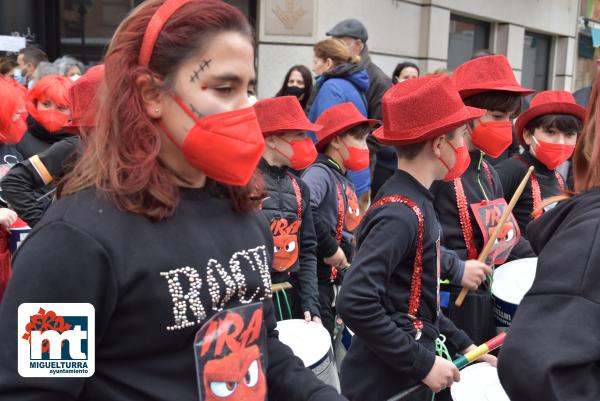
<point>478,382</point>
<point>511,282</point>
<point>312,344</point>
<point>18,232</point>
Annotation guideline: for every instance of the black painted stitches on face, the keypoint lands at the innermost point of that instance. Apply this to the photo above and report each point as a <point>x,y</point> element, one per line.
<point>195,111</point>
<point>201,67</point>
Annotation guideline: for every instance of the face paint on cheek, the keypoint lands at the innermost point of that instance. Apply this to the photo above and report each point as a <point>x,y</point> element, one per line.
<point>204,87</point>
<point>196,112</point>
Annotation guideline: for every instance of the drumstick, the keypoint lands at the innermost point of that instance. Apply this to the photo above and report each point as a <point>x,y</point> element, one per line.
<point>459,362</point>
<point>280,286</point>
<point>488,246</point>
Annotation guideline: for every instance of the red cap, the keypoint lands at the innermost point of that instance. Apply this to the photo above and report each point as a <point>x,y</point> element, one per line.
<point>422,108</point>
<point>337,120</point>
<point>549,102</point>
<point>84,102</point>
<point>483,74</point>
<point>282,113</point>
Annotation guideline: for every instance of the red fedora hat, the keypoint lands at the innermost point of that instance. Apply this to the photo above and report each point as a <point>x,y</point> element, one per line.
<point>422,108</point>
<point>84,101</point>
<point>338,119</point>
<point>549,102</point>
<point>489,73</point>
<point>282,113</point>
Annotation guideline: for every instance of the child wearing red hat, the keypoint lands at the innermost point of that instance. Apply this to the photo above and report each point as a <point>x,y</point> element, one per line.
<point>343,147</point>
<point>469,206</point>
<point>548,130</point>
<point>23,184</point>
<point>287,203</point>
<point>390,297</point>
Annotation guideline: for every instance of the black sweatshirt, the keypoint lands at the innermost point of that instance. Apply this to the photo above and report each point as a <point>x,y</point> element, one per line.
<point>9,156</point>
<point>37,139</point>
<point>28,190</point>
<point>321,178</point>
<point>384,357</point>
<point>281,206</point>
<point>131,270</point>
<point>552,351</point>
<point>512,171</point>
<point>473,180</point>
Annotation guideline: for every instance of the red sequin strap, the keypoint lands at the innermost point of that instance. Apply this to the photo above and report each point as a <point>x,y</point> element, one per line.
<point>415,284</point>
<point>536,194</point>
<point>465,220</point>
<point>341,213</point>
<point>488,173</point>
<point>298,194</point>
<point>340,225</point>
<point>561,182</point>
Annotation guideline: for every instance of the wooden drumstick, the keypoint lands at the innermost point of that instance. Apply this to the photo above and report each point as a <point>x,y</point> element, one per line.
<point>280,286</point>
<point>488,246</point>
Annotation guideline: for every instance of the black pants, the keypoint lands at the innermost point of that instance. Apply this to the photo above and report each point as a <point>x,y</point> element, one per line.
<point>326,298</point>
<point>475,316</point>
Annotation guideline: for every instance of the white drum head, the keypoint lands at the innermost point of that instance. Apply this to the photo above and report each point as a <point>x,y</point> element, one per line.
<point>478,382</point>
<point>309,341</point>
<point>512,280</point>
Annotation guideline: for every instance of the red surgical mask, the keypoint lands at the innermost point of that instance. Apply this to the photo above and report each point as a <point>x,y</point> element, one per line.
<point>304,153</point>
<point>358,159</point>
<point>15,130</point>
<point>492,137</point>
<point>552,155</point>
<point>52,120</point>
<point>225,146</point>
<point>461,163</point>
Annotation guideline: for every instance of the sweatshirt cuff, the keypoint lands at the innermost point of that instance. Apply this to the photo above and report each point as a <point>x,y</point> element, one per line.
<point>458,273</point>
<point>460,340</point>
<point>328,248</point>
<point>424,361</point>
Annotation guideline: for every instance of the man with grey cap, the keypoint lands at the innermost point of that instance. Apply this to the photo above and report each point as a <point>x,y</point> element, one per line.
<point>355,35</point>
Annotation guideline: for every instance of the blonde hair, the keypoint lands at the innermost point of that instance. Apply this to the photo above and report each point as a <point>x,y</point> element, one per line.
<point>336,50</point>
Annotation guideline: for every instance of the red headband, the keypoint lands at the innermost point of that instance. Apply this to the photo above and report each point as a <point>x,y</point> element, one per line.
<point>156,24</point>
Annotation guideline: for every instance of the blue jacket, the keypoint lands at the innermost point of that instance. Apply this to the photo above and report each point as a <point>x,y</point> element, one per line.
<point>345,83</point>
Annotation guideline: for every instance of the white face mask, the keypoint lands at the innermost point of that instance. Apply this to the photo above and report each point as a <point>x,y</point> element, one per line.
<point>74,77</point>
<point>252,99</point>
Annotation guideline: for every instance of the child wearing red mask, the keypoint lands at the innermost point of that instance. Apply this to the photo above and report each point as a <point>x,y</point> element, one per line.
<point>343,147</point>
<point>469,206</point>
<point>548,131</point>
<point>23,184</point>
<point>287,204</point>
<point>48,105</point>
<point>390,296</point>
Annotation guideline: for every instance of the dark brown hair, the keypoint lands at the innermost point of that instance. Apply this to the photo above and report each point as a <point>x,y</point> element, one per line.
<point>507,102</point>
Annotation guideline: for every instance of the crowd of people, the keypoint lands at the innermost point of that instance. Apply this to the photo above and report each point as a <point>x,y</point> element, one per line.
<point>158,191</point>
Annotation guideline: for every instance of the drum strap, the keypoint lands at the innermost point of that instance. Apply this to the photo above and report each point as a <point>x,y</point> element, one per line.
<point>536,193</point>
<point>415,284</point>
<point>465,220</point>
<point>298,195</point>
<point>341,211</point>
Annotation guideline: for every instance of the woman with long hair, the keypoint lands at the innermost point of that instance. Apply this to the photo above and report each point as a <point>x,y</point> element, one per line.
<point>298,82</point>
<point>156,227</point>
<point>552,351</point>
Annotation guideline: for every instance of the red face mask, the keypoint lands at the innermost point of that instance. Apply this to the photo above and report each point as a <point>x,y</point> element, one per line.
<point>225,146</point>
<point>492,137</point>
<point>358,159</point>
<point>552,155</point>
<point>52,120</point>
<point>304,153</point>
<point>462,161</point>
